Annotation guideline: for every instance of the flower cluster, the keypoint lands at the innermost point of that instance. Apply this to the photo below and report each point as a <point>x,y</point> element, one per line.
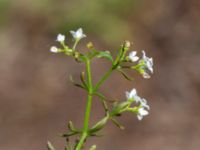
<point>142,109</point>
<point>145,64</point>
<point>77,35</point>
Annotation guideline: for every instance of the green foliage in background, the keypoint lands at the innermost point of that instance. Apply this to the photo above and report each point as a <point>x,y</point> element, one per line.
<point>4,7</point>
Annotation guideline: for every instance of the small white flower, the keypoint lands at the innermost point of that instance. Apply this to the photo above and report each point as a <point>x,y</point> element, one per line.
<point>60,38</point>
<point>132,56</point>
<point>54,49</point>
<point>143,103</point>
<point>77,35</point>
<point>148,62</point>
<point>141,113</point>
<point>133,95</point>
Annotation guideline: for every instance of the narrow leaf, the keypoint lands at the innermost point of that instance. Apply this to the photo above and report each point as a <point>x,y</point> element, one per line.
<point>69,134</point>
<point>117,124</point>
<point>82,77</point>
<point>125,75</point>
<point>100,95</point>
<point>99,125</point>
<point>50,146</point>
<point>71,126</point>
<point>105,54</point>
<point>77,84</point>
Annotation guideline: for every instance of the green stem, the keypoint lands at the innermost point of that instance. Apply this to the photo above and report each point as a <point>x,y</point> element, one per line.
<point>107,74</point>
<point>88,107</point>
<point>74,46</point>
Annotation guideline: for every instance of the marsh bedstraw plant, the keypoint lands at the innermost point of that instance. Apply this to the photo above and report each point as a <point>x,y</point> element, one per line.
<point>113,109</point>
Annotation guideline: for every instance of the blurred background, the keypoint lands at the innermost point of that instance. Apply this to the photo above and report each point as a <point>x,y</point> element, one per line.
<point>37,99</point>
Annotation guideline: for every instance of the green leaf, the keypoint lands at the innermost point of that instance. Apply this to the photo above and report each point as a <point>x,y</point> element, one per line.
<point>68,145</point>
<point>125,75</point>
<point>101,96</point>
<point>50,146</point>
<point>99,125</point>
<point>105,54</point>
<point>71,127</point>
<point>82,77</point>
<point>117,124</point>
<point>119,108</point>
<point>69,134</point>
<point>102,99</point>
<point>77,84</point>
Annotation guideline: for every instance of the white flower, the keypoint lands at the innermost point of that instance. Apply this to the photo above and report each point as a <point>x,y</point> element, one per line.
<point>148,62</point>
<point>132,56</point>
<point>141,113</point>
<point>54,49</point>
<point>133,95</point>
<point>77,35</point>
<point>143,103</point>
<point>60,38</point>
<point>143,106</point>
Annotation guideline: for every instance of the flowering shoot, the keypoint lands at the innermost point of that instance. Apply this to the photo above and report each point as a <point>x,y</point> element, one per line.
<point>113,108</point>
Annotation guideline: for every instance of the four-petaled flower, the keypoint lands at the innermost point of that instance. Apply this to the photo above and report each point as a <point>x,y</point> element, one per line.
<point>132,56</point>
<point>77,35</point>
<point>60,38</point>
<point>133,96</point>
<point>54,49</point>
<point>148,62</point>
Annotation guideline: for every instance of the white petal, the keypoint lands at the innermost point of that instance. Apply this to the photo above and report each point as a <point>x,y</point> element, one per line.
<point>79,32</point>
<point>143,112</point>
<point>127,95</point>
<point>146,75</point>
<point>60,38</point>
<point>143,102</point>
<point>150,64</point>
<point>134,59</point>
<point>137,98</point>
<point>148,61</point>
<point>133,93</point>
<point>144,54</point>
<point>77,35</point>
<point>73,33</point>
<point>54,49</point>
<point>139,117</point>
<point>133,53</point>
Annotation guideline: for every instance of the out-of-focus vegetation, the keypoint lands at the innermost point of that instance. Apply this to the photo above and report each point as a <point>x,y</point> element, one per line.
<point>4,6</point>
<point>107,19</point>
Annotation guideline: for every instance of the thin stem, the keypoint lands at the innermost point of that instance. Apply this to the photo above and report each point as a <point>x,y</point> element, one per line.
<point>74,46</point>
<point>107,74</point>
<point>88,107</point>
<point>80,144</point>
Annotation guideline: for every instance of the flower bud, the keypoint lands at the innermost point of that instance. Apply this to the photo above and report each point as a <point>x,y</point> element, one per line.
<point>127,44</point>
<point>90,45</point>
<point>94,147</point>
